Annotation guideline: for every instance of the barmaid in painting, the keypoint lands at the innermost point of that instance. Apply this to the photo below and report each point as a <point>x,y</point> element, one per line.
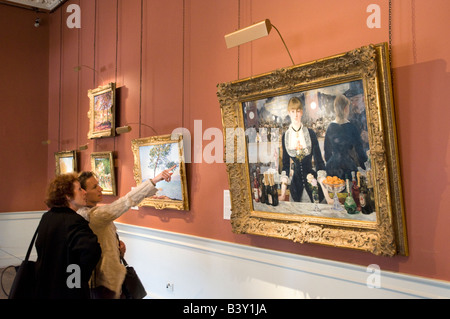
<point>299,145</point>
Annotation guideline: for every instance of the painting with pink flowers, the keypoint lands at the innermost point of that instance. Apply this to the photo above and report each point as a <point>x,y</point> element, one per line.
<point>103,116</point>
<point>102,111</point>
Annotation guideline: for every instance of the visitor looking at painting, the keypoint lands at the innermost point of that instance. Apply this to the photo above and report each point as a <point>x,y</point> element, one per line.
<point>109,274</point>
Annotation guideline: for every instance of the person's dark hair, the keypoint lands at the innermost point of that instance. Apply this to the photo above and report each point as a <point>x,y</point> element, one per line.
<point>59,189</point>
<point>84,176</point>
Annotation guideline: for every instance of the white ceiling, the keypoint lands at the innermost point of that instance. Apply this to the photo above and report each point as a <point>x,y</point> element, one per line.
<point>47,5</point>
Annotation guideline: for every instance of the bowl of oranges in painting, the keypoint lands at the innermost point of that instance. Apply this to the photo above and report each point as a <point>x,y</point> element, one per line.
<point>334,184</point>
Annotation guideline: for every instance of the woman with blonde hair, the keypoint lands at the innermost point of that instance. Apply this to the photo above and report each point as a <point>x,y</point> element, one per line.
<point>343,145</point>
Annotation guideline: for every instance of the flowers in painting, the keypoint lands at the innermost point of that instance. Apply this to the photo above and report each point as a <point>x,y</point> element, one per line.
<point>312,181</point>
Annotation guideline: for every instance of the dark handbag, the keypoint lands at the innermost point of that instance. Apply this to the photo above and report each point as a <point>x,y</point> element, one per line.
<point>25,280</point>
<point>132,287</point>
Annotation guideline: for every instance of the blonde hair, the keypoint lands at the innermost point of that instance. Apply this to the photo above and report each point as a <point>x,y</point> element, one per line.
<point>340,103</point>
<point>295,104</point>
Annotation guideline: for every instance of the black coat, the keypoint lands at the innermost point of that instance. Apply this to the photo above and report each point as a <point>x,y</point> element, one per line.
<point>64,238</point>
<point>303,168</point>
<point>343,150</point>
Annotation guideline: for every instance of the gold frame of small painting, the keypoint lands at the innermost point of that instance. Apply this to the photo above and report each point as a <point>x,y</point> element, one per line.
<point>102,164</point>
<point>154,154</point>
<point>102,111</point>
<point>66,162</point>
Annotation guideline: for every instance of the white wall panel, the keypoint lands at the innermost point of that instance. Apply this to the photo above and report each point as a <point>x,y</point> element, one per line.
<point>16,232</point>
<point>204,268</point>
<point>201,268</point>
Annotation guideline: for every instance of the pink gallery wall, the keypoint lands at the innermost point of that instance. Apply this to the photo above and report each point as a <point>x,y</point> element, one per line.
<point>24,110</point>
<point>167,57</point>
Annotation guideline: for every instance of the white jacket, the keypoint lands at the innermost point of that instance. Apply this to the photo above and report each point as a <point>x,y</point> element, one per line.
<point>110,272</point>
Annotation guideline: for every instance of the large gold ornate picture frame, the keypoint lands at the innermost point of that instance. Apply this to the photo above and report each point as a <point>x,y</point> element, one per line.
<point>284,178</point>
<point>102,164</point>
<point>66,162</point>
<point>102,111</point>
<point>155,154</point>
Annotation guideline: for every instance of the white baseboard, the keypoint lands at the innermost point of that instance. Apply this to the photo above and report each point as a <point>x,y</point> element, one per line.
<point>16,232</point>
<point>202,268</point>
<point>205,268</point>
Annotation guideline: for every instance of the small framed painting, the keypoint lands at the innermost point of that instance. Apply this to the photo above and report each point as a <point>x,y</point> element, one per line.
<point>66,162</point>
<point>102,109</point>
<point>155,154</point>
<point>102,164</point>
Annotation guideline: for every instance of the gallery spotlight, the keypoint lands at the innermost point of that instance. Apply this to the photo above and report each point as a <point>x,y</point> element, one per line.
<point>253,32</point>
<point>37,22</point>
<point>123,129</point>
<point>83,147</point>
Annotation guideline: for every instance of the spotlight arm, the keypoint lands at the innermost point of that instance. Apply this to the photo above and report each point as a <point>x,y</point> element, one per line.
<point>284,43</point>
<point>251,33</point>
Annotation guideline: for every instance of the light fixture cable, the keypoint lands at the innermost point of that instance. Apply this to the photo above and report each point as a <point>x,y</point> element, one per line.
<point>140,71</point>
<point>251,33</point>
<point>117,50</point>
<point>390,47</point>
<point>281,37</point>
<point>183,65</point>
<point>142,124</point>
<point>60,79</point>
<point>239,47</point>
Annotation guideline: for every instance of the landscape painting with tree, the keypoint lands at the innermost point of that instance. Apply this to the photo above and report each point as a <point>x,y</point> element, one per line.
<point>152,155</point>
<point>102,164</point>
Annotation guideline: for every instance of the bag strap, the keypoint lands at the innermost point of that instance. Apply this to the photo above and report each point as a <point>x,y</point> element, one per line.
<point>121,258</point>
<point>31,244</point>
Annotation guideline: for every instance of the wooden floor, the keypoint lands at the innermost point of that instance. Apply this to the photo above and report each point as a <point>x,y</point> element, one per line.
<point>7,276</point>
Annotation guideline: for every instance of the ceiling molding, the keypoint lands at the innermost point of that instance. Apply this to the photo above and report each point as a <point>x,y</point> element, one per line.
<point>40,5</point>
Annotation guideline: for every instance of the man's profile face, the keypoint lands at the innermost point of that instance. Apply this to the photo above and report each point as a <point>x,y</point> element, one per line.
<point>357,103</point>
<point>93,191</point>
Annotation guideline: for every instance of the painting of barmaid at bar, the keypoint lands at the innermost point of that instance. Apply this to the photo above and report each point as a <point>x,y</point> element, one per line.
<point>312,153</point>
<point>308,153</point>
